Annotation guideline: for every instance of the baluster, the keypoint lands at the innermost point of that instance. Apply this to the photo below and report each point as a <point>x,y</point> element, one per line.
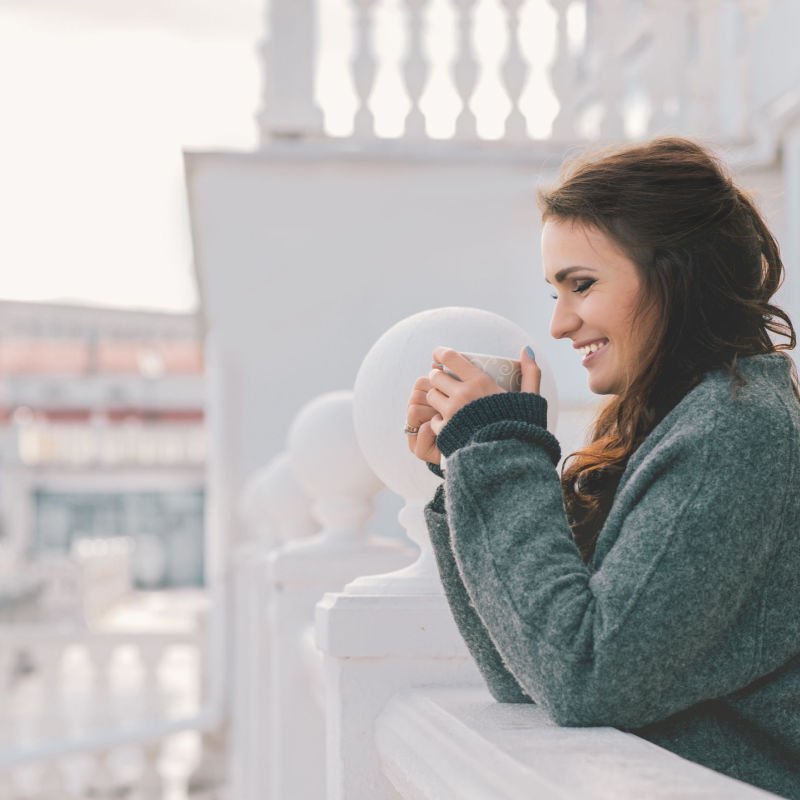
<point>8,657</point>
<point>703,73</point>
<point>415,69</point>
<point>326,459</point>
<point>364,67</point>
<point>101,653</point>
<point>273,507</point>
<point>209,775</point>
<point>665,70</point>
<point>150,654</point>
<point>563,75</point>
<point>51,782</point>
<point>101,780</point>
<point>515,74</point>
<point>289,108</point>
<point>609,68</point>
<point>48,667</point>
<point>749,13</point>
<point>385,633</point>
<point>150,784</point>
<point>465,72</point>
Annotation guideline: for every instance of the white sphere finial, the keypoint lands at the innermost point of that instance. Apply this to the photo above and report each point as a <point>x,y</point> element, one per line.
<point>383,385</point>
<point>327,461</point>
<point>273,505</point>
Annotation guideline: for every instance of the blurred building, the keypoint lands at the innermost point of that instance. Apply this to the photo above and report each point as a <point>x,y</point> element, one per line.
<point>102,436</point>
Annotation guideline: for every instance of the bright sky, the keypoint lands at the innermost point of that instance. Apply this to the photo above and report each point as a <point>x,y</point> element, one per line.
<point>95,112</point>
<point>99,99</point>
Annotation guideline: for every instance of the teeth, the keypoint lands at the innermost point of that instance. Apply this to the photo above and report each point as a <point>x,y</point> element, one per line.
<point>592,348</point>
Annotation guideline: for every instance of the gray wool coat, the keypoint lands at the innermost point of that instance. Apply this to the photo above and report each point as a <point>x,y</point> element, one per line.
<point>685,626</point>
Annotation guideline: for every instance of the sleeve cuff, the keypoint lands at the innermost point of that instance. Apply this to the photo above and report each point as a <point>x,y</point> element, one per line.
<point>435,469</point>
<point>519,415</point>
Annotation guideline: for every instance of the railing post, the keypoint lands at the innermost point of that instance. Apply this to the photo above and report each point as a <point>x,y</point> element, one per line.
<point>365,67</point>
<point>465,71</point>
<point>387,633</point>
<point>288,55</point>
<point>273,508</point>
<point>326,459</point>
<point>415,69</point>
<point>515,74</point>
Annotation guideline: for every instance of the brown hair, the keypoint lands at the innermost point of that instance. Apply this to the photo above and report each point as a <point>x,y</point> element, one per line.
<point>710,265</point>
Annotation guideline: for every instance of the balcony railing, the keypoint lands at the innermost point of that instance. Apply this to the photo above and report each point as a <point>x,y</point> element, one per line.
<point>380,700</point>
<point>515,70</point>
<point>85,713</point>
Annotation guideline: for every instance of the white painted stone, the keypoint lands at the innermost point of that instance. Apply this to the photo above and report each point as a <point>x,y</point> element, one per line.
<point>458,742</point>
<point>389,632</point>
<point>382,388</point>
<point>325,456</point>
<point>274,507</point>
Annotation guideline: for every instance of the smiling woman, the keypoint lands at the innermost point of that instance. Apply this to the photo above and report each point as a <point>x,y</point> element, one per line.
<point>598,302</point>
<point>654,586</point>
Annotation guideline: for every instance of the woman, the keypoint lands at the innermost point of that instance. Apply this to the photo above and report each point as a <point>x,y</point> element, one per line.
<point>655,586</point>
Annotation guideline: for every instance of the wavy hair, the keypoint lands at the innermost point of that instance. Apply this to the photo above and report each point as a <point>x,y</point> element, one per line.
<point>710,265</point>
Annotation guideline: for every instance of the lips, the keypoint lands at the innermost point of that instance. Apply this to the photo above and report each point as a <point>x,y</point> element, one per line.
<point>591,349</point>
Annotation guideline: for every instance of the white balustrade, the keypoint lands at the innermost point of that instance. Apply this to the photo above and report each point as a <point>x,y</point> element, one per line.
<point>364,66</point>
<point>327,461</point>
<point>640,69</point>
<point>385,633</point>
<point>564,74</point>
<point>289,52</point>
<point>465,71</point>
<point>273,508</point>
<point>416,68</point>
<point>62,707</point>
<point>149,783</point>
<point>515,74</point>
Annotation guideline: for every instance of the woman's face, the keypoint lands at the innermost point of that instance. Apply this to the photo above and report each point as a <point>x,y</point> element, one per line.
<point>597,290</point>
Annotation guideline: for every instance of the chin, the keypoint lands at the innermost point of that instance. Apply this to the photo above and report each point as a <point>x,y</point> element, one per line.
<point>602,387</point>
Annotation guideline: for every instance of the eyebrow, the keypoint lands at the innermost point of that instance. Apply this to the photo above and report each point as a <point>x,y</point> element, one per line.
<point>563,273</point>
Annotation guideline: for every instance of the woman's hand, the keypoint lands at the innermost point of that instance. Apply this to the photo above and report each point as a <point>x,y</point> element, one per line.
<point>421,416</point>
<point>448,394</point>
<point>436,398</point>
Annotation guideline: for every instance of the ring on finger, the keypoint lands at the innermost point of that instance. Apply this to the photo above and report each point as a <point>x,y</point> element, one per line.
<point>408,430</point>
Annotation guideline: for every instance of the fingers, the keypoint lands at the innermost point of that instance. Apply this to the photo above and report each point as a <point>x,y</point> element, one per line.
<point>459,365</point>
<point>531,372</point>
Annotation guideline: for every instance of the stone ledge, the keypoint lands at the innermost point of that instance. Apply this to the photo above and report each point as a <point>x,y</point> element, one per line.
<point>437,743</point>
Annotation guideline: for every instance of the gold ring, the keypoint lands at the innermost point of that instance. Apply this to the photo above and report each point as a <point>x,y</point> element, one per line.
<point>410,431</point>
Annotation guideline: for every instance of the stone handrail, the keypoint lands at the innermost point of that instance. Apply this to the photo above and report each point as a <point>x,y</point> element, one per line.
<point>457,742</point>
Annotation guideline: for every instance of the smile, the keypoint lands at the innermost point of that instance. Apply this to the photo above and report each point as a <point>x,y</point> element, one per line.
<point>590,351</point>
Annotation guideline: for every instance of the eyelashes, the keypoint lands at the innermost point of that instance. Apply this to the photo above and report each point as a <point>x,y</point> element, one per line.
<point>581,287</point>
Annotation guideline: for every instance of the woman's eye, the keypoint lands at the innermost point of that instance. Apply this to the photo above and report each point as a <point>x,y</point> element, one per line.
<point>553,296</point>
<point>583,285</point>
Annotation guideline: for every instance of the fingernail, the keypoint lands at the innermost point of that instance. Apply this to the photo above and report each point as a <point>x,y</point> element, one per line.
<point>530,352</point>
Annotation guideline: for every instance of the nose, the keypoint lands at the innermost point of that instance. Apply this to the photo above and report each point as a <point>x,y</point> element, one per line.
<point>564,320</point>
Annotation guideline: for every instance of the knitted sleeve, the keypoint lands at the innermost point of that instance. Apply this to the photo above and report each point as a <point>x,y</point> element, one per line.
<point>500,681</point>
<point>657,627</point>
<point>524,407</point>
